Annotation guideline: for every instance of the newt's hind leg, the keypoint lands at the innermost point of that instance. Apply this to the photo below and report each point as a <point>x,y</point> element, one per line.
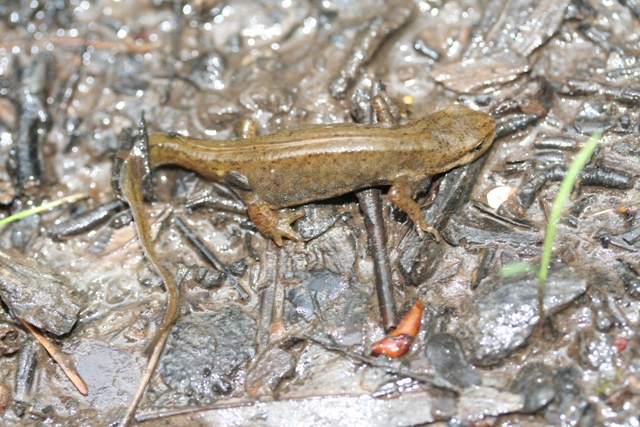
<point>272,223</point>
<point>401,193</point>
<point>387,111</point>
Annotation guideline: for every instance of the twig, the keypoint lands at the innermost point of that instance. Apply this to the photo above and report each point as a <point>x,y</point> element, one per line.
<point>431,380</point>
<point>371,206</point>
<point>58,358</point>
<point>142,385</point>
<point>127,45</point>
<point>208,255</point>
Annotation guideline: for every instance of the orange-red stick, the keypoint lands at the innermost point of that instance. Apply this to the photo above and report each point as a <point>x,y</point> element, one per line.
<point>399,340</point>
<point>58,357</point>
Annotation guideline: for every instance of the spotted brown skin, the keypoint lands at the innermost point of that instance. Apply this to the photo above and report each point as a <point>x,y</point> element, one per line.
<point>287,169</point>
<point>400,339</point>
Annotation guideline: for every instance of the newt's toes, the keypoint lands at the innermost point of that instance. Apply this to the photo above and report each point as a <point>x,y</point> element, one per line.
<point>435,233</point>
<point>283,227</point>
<point>422,227</point>
<point>276,225</point>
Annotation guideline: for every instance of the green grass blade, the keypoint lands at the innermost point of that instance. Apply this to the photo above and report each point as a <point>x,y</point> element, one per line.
<point>556,211</point>
<point>516,268</point>
<point>68,199</point>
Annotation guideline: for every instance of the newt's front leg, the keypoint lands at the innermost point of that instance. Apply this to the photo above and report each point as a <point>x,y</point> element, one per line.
<point>272,223</point>
<point>401,194</point>
<point>402,190</point>
<point>269,222</point>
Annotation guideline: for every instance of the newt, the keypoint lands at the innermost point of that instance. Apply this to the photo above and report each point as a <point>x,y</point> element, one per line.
<point>290,168</point>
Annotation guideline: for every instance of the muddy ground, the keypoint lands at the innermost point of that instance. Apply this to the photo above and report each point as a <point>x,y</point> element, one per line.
<point>75,76</point>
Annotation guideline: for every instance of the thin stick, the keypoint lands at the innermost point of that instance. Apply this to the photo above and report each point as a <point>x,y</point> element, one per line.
<point>371,207</point>
<point>142,385</point>
<point>58,358</point>
<point>125,45</point>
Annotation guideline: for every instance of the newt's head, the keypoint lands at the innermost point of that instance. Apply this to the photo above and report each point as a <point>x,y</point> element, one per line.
<point>458,136</point>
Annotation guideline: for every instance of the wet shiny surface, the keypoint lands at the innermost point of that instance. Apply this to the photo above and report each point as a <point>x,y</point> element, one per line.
<point>549,71</point>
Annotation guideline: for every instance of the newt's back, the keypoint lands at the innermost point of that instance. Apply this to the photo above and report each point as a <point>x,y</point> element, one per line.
<point>291,168</point>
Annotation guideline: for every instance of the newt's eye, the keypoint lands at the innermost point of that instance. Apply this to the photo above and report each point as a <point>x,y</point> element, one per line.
<point>478,147</point>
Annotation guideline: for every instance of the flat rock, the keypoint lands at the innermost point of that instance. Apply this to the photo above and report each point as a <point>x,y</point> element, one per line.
<point>504,311</point>
<point>36,294</point>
